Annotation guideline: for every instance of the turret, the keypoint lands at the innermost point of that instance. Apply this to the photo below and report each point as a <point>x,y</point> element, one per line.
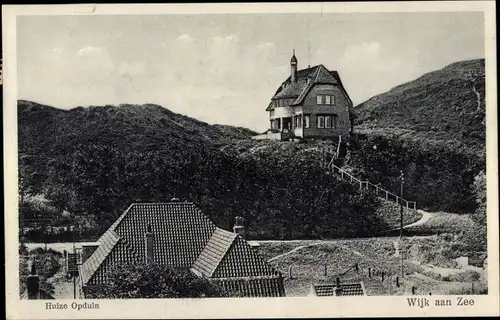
<point>293,68</point>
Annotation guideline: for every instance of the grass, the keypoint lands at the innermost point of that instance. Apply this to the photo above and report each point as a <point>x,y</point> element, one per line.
<point>306,265</point>
<point>443,222</point>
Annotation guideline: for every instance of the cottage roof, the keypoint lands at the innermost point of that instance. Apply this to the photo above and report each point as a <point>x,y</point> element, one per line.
<point>183,238</point>
<point>346,289</point>
<point>306,79</point>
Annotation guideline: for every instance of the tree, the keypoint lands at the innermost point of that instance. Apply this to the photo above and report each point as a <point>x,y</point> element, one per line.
<point>150,280</point>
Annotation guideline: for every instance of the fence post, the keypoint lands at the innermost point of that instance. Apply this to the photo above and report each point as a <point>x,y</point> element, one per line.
<point>357,268</point>
<point>383,274</point>
<point>386,195</point>
<point>397,282</point>
<point>290,275</point>
<point>413,289</point>
<point>369,272</point>
<point>325,271</point>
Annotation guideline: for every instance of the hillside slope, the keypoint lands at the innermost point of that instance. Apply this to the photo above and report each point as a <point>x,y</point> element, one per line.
<point>92,163</point>
<point>445,107</point>
<point>134,127</point>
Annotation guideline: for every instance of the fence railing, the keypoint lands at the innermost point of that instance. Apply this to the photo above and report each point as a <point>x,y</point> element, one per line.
<point>380,192</point>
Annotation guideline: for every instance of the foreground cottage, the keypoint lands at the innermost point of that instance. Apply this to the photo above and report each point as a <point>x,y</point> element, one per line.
<point>177,234</point>
<point>310,103</point>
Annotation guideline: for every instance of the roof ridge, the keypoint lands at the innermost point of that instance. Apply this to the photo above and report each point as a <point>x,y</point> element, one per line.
<point>157,203</point>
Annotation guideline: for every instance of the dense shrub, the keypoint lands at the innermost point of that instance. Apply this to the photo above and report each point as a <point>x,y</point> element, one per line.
<point>149,280</point>
<point>46,262</point>
<point>465,276</point>
<point>437,177</point>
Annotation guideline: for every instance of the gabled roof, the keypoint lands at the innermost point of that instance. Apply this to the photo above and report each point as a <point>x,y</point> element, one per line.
<point>306,79</point>
<point>346,289</point>
<point>183,238</point>
<point>214,252</point>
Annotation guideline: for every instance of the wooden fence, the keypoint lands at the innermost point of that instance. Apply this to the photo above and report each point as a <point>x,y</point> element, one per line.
<point>380,192</point>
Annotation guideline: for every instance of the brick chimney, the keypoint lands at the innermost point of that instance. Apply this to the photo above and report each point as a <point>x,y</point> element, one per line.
<point>150,239</point>
<point>239,227</point>
<point>338,289</point>
<point>33,284</point>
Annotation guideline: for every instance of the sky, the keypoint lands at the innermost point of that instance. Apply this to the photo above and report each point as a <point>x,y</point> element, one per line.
<point>225,68</point>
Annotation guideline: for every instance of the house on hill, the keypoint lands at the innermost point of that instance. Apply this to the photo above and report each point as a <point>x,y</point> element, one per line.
<point>178,235</point>
<point>310,103</point>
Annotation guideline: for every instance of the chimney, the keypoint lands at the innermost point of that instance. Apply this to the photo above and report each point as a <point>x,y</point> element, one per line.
<point>33,284</point>
<point>338,289</point>
<point>150,237</point>
<point>239,227</point>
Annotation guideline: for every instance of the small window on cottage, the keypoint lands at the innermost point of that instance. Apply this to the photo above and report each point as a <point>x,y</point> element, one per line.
<point>272,113</point>
<point>327,99</point>
<point>321,121</point>
<point>306,121</point>
<point>328,122</point>
<point>319,99</point>
<point>298,122</point>
<point>333,100</point>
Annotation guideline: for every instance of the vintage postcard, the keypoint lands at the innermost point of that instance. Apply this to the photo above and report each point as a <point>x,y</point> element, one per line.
<point>250,160</point>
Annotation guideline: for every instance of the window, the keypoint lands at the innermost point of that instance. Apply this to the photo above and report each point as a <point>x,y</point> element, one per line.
<point>325,99</point>
<point>321,122</point>
<point>272,113</point>
<point>298,121</point>
<point>280,103</point>
<point>306,121</point>
<point>328,121</point>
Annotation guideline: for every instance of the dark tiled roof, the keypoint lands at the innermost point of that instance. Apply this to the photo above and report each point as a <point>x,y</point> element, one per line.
<point>253,286</point>
<point>347,289</point>
<point>184,237</point>
<point>243,261</point>
<point>107,242</point>
<point>299,90</point>
<point>181,231</point>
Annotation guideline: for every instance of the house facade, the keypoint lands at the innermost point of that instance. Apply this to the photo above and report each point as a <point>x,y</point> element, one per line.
<point>310,103</point>
<point>178,235</point>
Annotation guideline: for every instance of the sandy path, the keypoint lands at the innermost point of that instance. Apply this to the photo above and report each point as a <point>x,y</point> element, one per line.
<point>295,250</point>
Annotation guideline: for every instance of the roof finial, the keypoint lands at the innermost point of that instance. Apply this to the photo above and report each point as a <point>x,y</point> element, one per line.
<point>294,51</point>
